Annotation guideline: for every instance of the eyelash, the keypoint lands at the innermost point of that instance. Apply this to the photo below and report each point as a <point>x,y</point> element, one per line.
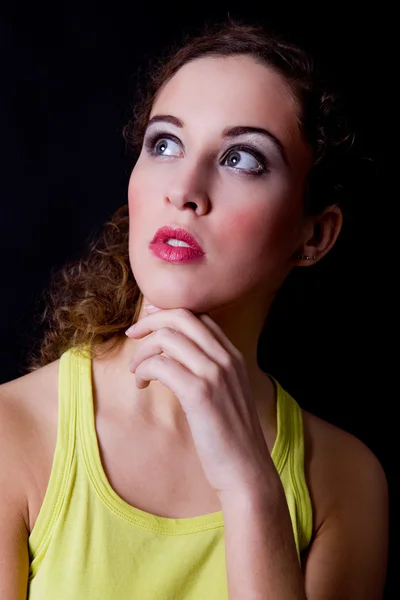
<point>152,139</point>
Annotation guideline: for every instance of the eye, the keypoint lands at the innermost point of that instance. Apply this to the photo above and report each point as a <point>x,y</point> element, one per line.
<point>163,145</point>
<point>244,159</point>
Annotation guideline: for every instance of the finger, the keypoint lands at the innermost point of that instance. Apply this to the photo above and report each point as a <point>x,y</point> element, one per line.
<point>169,373</point>
<point>176,346</point>
<point>240,374</point>
<point>219,335</point>
<point>191,326</point>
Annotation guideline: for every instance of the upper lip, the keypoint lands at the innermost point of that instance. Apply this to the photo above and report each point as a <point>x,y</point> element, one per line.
<point>165,233</point>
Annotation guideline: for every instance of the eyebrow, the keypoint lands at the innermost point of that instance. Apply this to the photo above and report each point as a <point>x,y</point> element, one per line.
<point>229,132</point>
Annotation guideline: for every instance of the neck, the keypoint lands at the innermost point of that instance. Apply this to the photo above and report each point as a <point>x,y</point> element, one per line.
<point>156,408</point>
<point>242,325</point>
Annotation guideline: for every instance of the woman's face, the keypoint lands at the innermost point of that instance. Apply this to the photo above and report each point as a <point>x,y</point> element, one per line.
<point>239,192</point>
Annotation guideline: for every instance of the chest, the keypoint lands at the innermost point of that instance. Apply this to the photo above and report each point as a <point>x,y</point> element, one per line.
<point>153,472</point>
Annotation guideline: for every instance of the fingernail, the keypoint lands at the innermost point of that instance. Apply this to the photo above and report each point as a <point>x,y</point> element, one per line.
<point>131,328</point>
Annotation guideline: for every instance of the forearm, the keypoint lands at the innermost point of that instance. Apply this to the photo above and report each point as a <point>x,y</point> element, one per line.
<point>261,556</point>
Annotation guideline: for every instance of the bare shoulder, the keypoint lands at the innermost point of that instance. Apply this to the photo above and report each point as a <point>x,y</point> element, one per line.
<point>25,456</point>
<point>335,462</point>
<point>26,398</point>
<point>28,430</point>
<point>348,554</point>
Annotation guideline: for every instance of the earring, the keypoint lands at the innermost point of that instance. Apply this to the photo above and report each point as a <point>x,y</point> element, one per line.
<point>304,257</point>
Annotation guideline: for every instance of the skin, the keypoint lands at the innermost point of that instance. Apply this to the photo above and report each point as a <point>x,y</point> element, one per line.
<point>252,229</point>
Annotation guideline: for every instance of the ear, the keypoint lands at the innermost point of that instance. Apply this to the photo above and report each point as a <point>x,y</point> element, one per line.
<point>320,236</point>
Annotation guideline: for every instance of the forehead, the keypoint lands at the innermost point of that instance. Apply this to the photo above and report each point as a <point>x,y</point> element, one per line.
<point>227,88</point>
<point>211,93</point>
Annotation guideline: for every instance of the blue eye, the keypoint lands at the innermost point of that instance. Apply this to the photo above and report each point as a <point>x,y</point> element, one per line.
<point>165,147</point>
<point>162,145</point>
<point>240,158</point>
<point>246,160</point>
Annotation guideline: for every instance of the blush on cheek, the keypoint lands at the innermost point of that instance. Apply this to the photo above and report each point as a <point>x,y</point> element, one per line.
<point>270,230</point>
<point>135,196</point>
<point>241,225</point>
<point>253,225</point>
<point>144,189</point>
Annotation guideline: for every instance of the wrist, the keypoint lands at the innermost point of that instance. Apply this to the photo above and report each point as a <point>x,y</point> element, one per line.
<point>267,495</point>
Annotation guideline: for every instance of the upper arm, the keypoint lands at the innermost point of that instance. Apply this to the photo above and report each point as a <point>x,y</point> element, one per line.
<point>14,562</point>
<point>347,559</point>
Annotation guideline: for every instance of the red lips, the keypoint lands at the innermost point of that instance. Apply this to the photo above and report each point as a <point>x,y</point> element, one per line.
<point>165,233</point>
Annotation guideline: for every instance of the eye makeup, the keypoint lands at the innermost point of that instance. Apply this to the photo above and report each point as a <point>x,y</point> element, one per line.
<point>151,140</point>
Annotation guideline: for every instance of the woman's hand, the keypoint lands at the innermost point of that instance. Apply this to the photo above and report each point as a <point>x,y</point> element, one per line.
<point>208,376</point>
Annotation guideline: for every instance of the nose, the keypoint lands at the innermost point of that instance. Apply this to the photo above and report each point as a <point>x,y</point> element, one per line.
<point>188,188</point>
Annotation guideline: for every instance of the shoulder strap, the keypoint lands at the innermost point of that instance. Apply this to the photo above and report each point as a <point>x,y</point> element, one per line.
<point>294,426</point>
<point>62,461</point>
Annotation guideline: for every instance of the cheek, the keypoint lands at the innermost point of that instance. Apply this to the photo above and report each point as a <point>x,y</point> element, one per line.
<point>139,219</point>
<point>137,194</point>
<point>133,188</point>
<point>241,226</point>
<point>271,229</point>
<point>145,187</point>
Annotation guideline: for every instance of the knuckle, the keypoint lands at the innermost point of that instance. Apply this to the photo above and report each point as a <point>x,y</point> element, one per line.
<point>164,334</point>
<point>227,362</point>
<point>160,358</point>
<point>203,388</point>
<point>215,374</point>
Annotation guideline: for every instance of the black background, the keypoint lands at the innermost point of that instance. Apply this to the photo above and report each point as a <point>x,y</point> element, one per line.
<point>68,80</point>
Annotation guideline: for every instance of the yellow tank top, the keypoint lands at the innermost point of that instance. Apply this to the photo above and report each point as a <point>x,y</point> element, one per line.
<point>90,544</point>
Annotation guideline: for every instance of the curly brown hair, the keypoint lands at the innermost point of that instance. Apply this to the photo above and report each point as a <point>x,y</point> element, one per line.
<point>94,300</point>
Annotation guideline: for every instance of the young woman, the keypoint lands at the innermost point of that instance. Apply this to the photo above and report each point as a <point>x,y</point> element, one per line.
<point>164,463</point>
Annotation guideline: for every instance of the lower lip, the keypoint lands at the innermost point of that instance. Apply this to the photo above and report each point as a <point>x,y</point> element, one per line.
<point>176,254</point>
